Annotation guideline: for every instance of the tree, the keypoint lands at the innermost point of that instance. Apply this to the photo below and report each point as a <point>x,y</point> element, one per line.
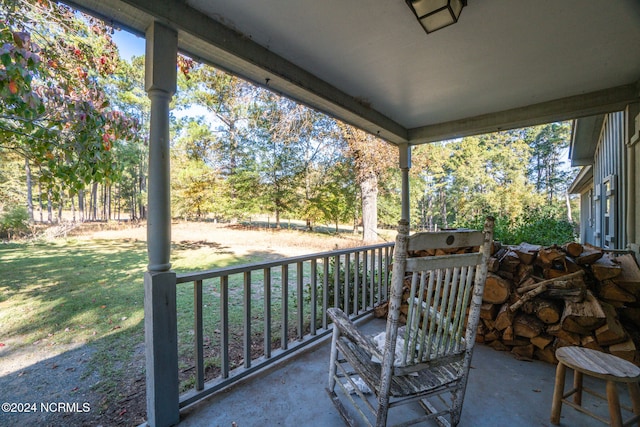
<point>229,100</point>
<point>53,111</point>
<point>548,143</point>
<point>371,157</point>
<point>278,127</point>
<point>195,177</point>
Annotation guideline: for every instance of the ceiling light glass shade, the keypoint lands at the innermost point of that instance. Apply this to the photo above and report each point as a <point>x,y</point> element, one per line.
<point>436,14</point>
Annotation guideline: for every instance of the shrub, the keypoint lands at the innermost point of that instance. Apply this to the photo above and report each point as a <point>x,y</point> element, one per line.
<point>538,227</point>
<point>14,222</point>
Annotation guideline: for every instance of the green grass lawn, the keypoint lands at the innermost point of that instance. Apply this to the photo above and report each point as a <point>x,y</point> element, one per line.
<point>69,292</point>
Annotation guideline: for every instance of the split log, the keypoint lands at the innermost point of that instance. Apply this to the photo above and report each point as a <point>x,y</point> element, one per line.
<point>488,311</point>
<point>589,341</point>
<point>523,351</point>
<point>498,345</point>
<point>508,335</point>
<point>630,315</point>
<point>509,262</point>
<point>605,268</point>
<point>583,317</point>
<point>542,340</point>
<point>493,265</point>
<point>547,311</point>
<point>626,350</point>
<point>547,257</point>
<point>573,249</point>
<point>524,273</point>
<point>612,331</point>
<point>547,354</point>
<point>589,255</point>
<point>492,335</point>
<point>489,323</point>
<point>564,337</point>
<point>504,319</point>
<point>629,278</point>
<point>527,252</point>
<point>610,291</point>
<point>496,289</point>
<point>525,325</point>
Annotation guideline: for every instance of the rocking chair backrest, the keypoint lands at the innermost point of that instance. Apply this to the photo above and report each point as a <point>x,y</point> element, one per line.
<point>445,294</point>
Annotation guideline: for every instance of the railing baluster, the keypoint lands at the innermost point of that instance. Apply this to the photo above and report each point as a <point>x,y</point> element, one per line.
<point>247,319</point>
<point>198,331</point>
<point>224,329</point>
<point>372,277</point>
<point>387,263</point>
<point>365,268</point>
<point>314,296</point>
<point>325,291</point>
<point>336,281</point>
<point>285,307</point>
<point>347,265</point>
<point>267,312</point>
<point>356,282</point>
<point>299,293</point>
<point>379,275</point>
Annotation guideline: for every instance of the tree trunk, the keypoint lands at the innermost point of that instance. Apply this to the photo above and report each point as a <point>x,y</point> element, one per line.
<point>73,209</point>
<point>27,170</point>
<point>49,208</point>
<point>60,206</point>
<point>94,202</point>
<point>40,201</point>
<point>369,188</point>
<point>81,205</point>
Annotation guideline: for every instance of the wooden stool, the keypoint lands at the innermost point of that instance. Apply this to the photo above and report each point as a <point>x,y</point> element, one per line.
<point>597,364</point>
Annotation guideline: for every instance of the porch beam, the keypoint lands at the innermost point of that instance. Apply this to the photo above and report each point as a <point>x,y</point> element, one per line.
<point>160,318</point>
<point>572,107</point>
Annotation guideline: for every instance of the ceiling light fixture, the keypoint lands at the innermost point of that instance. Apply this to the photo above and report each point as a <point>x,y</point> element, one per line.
<point>436,14</point>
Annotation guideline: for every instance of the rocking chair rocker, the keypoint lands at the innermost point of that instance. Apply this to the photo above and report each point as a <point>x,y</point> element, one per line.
<point>432,356</point>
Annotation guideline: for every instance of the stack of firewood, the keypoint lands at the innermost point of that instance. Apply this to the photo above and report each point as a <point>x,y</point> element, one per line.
<point>537,299</point>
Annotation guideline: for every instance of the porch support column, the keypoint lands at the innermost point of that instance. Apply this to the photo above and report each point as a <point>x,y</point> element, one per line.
<point>633,176</point>
<point>160,323</point>
<point>405,165</point>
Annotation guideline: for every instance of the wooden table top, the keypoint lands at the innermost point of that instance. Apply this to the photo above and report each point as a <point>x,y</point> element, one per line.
<point>598,364</point>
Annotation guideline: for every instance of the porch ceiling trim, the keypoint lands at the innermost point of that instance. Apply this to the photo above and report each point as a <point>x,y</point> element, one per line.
<point>583,181</point>
<point>209,41</point>
<point>599,102</point>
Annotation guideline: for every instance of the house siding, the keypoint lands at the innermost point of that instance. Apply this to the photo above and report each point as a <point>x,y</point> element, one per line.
<point>609,190</point>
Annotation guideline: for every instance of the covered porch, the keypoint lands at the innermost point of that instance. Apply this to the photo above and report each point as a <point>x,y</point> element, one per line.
<point>502,391</point>
<point>504,65</point>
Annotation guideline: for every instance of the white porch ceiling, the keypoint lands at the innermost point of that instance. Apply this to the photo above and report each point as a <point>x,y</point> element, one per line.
<point>505,64</point>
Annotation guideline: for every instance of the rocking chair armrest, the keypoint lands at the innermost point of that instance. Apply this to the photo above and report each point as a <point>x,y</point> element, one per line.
<point>351,331</point>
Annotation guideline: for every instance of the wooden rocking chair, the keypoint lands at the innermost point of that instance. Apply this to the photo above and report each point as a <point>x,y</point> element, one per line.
<point>431,357</point>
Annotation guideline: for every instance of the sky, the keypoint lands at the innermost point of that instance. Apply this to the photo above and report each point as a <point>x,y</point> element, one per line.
<point>128,44</point>
<point>131,45</point>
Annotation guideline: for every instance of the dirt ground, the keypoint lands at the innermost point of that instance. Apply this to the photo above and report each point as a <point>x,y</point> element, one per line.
<point>62,377</point>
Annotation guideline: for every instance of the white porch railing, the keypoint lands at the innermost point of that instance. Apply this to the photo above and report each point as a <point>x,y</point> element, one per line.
<point>283,305</point>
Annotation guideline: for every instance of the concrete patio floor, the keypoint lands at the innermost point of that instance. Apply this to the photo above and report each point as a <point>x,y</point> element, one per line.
<point>502,392</point>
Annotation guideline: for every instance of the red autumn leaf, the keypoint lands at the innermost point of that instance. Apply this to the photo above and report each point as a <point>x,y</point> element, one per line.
<point>13,87</point>
<point>2,344</point>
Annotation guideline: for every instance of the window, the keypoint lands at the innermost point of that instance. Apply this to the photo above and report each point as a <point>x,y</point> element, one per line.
<point>609,211</point>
